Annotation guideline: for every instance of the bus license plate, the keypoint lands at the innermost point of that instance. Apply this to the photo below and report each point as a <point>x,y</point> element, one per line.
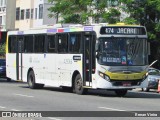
<point>126,83</point>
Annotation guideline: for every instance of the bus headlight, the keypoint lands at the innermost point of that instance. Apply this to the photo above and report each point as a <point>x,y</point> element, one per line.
<point>104,76</point>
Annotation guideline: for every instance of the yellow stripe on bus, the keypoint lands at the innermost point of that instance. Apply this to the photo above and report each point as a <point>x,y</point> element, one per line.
<point>7,45</point>
<point>123,76</point>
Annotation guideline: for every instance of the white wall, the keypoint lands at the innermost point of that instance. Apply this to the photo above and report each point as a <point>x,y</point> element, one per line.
<point>3,15</point>
<point>37,22</point>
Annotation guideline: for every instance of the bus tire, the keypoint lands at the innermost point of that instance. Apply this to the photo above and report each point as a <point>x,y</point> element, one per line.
<point>31,81</point>
<point>121,93</point>
<point>8,79</point>
<point>78,86</point>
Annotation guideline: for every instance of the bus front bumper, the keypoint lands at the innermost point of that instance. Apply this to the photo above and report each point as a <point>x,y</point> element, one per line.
<point>117,84</point>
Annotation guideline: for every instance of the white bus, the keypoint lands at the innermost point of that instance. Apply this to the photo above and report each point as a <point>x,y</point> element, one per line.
<point>111,57</point>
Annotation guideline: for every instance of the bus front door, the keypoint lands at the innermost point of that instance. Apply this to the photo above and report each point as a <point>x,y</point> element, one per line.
<point>19,63</point>
<point>88,58</point>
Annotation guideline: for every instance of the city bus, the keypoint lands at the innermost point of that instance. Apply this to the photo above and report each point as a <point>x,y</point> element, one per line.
<point>102,56</point>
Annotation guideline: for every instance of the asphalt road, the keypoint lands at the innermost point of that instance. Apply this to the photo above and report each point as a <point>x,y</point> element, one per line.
<point>16,96</point>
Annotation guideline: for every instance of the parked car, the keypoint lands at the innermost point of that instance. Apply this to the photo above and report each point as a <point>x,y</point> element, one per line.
<point>152,79</point>
<point>2,68</point>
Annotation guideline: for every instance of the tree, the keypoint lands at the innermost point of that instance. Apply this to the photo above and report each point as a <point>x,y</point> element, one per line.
<point>2,50</point>
<point>72,11</point>
<point>106,11</point>
<point>113,16</point>
<point>144,12</point>
<point>79,11</point>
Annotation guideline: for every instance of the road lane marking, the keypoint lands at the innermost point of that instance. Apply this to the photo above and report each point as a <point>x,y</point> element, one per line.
<point>15,110</point>
<point>23,95</point>
<point>53,118</point>
<point>111,109</point>
<point>2,107</point>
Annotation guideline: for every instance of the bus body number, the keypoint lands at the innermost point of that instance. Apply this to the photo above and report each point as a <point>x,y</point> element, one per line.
<point>109,30</point>
<point>67,61</point>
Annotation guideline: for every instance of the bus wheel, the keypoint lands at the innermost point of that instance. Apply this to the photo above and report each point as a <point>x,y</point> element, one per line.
<point>121,93</point>
<point>31,81</point>
<point>78,86</point>
<point>8,79</point>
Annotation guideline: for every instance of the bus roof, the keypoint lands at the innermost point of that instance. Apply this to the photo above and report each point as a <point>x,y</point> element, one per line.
<point>67,28</point>
<point>123,24</point>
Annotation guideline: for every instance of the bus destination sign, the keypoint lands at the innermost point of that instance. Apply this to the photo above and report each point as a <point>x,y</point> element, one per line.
<point>123,30</point>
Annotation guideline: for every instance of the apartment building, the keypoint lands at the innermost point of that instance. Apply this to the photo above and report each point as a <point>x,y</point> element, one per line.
<point>2,15</point>
<point>32,13</point>
<point>26,14</point>
<point>7,15</point>
<point>10,14</point>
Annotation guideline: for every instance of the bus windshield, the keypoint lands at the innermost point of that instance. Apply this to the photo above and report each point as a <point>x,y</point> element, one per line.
<point>122,51</point>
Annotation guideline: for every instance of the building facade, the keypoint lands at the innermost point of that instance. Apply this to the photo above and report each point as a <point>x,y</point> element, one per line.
<point>7,15</point>
<point>2,15</point>
<point>10,14</point>
<point>26,14</point>
<point>32,13</point>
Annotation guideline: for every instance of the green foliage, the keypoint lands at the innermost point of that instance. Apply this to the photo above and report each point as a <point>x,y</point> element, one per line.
<point>2,50</point>
<point>72,11</point>
<point>151,36</point>
<point>157,28</point>
<point>145,12</point>
<point>112,16</point>
<point>130,21</point>
<point>79,11</point>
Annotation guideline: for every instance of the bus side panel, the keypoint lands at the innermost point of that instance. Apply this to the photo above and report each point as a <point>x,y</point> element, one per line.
<point>26,65</point>
<point>11,66</point>
<point>51,76</point>
<point>66,65</point>
<point>36,62</point>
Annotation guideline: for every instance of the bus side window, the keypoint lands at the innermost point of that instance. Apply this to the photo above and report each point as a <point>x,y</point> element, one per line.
<point>63,43</point>
<point>20,40</point>
<point>12,44</point>
<point>75,43</point>
<point>51,46</point>
<point>28,44</point>
<point>39,43</point>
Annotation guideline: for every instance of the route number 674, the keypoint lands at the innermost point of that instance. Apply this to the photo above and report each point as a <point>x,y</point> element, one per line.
<point>109,30</point>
